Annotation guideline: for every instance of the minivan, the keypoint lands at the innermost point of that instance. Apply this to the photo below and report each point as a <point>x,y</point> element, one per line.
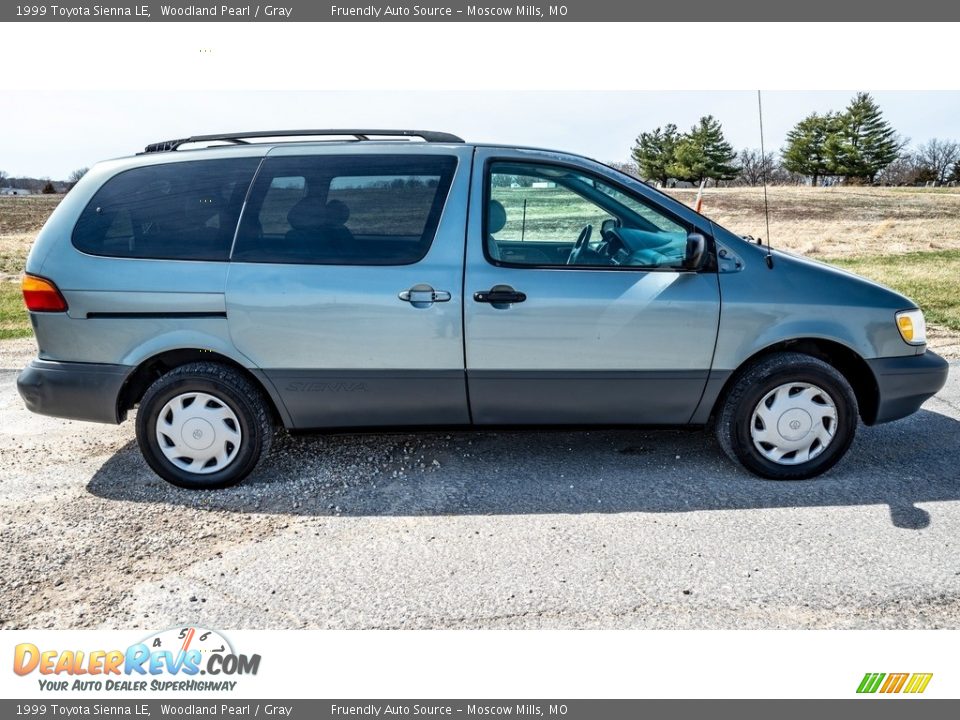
<point>318,279</point>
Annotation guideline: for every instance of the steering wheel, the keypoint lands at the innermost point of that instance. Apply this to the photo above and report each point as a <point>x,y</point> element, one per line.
<point>580,244</point>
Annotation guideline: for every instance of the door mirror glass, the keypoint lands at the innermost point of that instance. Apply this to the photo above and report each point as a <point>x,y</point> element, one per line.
<point>696,255</point>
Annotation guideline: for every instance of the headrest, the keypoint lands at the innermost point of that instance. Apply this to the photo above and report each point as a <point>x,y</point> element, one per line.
<point>496,217</point>
<point>337,213</point>
<point>312,213</point>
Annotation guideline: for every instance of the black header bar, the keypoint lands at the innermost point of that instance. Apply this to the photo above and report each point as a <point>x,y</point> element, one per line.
<point>857,11</point>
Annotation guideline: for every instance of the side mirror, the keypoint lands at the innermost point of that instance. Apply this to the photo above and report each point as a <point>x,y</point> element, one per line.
<point>696,255</point>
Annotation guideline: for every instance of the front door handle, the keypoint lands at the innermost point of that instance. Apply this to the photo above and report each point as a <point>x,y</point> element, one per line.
<point>423,295</point>
<point>500,296</point>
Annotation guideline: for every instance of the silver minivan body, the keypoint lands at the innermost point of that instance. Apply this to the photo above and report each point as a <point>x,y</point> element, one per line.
<point>422,344</point>
<point>337,343</point>
<point>588,344</point>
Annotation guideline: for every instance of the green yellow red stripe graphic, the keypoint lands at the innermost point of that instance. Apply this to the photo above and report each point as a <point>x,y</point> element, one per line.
<point>887,683</point>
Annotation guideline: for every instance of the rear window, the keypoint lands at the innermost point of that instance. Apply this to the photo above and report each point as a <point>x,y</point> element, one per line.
<point>175,211</point>
<point>344,209</point>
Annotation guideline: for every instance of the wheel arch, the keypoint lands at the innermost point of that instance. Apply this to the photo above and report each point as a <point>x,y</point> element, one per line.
<point>148,370</point>
<point>846,360</point>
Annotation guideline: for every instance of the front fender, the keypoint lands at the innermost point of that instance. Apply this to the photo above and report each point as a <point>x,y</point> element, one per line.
<point>742,338</point>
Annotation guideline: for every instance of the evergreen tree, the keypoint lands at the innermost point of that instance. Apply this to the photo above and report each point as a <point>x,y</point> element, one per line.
<point>704,153</point>
<point>806,149</point>
<point>955,175</point>
<point>864,143</point>
<point>654,151</point>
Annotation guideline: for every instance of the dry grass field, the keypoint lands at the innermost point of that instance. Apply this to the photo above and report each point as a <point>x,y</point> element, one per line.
<point>840,222</point>
<point>907,238</point>
<point>20,220</point>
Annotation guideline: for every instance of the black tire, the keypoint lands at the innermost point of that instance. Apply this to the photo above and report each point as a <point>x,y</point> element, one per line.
<point>229,387</point>
<point>735,413</point>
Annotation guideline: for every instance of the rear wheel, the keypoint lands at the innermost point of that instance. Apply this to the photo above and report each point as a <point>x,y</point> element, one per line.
<point>790,416</point>
<point>203,425</point>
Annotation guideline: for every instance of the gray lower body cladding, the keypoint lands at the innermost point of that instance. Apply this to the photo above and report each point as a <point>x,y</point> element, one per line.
<point>78,391</point>
<point>343,398</point>
<point>652,397</point>
<point>905,383</point>
<point>370,398</point>
<point>347,398</point>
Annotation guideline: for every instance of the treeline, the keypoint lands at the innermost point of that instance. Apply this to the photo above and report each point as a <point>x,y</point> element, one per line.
<point>35,185</point>
<point>42,185</point>
<point>856,146</point>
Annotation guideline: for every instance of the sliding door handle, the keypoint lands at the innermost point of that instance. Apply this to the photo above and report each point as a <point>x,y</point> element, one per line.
<point>423,296</point>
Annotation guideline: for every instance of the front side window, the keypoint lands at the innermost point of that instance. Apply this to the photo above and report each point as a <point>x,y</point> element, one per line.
<point>547,215</point>
<point>174,211</point>
<point>344,209</point>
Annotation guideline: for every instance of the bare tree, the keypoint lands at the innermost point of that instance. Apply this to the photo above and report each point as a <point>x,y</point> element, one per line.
<point>3,176</point>
<point>75,177</point>
<point>754,167</point>
<point>902,171</point>
<point>940,156</point>
<point>908,169</point>
<point>77,174</point>
<point>779,175</point>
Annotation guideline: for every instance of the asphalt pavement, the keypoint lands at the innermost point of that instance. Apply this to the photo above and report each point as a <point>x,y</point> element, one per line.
<point>571,529</point>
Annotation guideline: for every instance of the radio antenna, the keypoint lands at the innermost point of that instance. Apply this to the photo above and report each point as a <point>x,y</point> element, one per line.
<point>763,175</point>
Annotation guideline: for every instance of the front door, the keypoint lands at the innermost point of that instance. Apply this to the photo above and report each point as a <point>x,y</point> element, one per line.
<point>578,307</point>
<point>345,281</point>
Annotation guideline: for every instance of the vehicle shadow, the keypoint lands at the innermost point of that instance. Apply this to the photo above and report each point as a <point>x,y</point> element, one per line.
<point>898,465</point>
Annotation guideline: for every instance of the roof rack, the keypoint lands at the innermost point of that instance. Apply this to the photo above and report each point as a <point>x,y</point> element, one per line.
<point>241,138</point>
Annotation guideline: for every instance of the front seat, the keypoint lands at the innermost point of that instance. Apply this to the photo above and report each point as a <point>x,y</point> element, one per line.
<point>496,220</point>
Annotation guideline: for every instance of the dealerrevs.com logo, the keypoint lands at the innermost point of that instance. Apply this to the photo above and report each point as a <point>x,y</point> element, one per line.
<point>173,659</point>
<point>909,683</point>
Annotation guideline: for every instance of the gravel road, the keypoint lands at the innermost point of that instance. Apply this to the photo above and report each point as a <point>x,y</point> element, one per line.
<point>600,529</point>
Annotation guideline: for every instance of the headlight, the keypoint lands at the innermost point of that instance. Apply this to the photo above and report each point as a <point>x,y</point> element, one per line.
<point>912,326</point>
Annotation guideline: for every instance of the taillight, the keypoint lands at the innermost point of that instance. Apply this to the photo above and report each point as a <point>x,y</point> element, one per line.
<point>41,295</point>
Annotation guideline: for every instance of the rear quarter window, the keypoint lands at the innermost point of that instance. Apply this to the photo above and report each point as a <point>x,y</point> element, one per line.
<point>344,209</point>
<point>175,211</point>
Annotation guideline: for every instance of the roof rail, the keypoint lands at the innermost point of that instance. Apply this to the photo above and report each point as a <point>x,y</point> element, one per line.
<point>240,138</point>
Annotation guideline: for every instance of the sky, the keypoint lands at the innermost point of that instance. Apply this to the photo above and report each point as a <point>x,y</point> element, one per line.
<point>53,133</point>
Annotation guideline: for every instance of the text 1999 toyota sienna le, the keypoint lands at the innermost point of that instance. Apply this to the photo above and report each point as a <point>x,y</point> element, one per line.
<point>353,280</point>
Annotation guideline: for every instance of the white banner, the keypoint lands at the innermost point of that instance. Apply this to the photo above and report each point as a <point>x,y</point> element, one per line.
<point>482,664</point>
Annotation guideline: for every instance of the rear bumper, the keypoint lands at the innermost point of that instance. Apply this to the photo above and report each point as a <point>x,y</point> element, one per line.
<point>905,383</point>
<point>79,391</point>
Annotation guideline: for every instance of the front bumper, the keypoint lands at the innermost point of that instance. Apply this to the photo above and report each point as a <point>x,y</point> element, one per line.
<point>79,391</point>
<point>905,383</point>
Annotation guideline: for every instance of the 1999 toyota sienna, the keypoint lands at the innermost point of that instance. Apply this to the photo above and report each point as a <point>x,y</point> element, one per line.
<point>355,278</point>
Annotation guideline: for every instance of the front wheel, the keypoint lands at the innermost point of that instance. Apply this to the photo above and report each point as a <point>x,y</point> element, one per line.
<point>788,417</point>
<point>203,426</point>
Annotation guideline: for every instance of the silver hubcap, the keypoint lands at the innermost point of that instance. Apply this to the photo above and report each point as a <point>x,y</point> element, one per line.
<point>198,433</point>
<point>793,423</point>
